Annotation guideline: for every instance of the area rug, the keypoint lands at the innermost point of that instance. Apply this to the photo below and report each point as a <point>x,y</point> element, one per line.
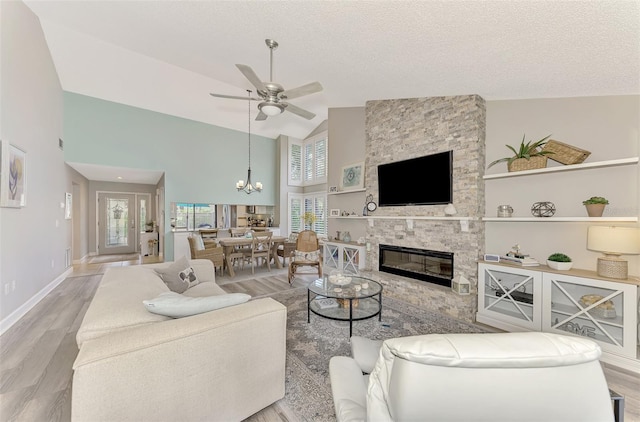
<point>311,345</point>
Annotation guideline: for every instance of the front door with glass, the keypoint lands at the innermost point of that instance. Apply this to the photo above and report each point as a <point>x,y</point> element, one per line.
<point>117,223</point>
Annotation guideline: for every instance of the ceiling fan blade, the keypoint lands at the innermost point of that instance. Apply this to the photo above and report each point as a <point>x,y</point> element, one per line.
<point>251,76</point>
<point>303,90</point>
<point>261,116</point>
<point>233,97</point>
<point>299,111</point>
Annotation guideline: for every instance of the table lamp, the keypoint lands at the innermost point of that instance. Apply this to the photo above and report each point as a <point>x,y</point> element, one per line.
<point>613,242</point>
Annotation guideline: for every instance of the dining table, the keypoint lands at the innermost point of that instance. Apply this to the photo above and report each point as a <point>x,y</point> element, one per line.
<point>229,243</point>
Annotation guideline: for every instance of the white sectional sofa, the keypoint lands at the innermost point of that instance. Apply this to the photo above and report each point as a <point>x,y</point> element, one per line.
<point>133,365</point>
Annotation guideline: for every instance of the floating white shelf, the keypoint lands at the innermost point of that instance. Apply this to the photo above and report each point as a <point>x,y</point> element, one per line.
<point>418,217</point>
<point>583,166</point>
<point>562,219</point>
<point>404,217</point>
<point>342,192</point>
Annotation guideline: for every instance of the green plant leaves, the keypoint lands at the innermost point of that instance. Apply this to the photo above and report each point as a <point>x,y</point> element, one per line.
<point>525,150</point>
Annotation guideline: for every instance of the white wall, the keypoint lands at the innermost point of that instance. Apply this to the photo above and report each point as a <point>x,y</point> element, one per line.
<point>33,239</point>
<point>346,146</point>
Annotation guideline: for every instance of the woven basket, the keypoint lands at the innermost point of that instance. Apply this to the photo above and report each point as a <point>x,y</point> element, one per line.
<point>565,154</point>
<point>520,164</point>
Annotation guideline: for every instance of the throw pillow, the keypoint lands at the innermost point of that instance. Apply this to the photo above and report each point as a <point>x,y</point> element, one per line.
<point>306,256</point>
<point>199,242</point>
<point>178,276</point>
<point>175,305</point>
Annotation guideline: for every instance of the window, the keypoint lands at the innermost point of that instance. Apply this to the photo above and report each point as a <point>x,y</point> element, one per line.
<point>312,206</point>
<point>192,216</point>
<point>308,161</point>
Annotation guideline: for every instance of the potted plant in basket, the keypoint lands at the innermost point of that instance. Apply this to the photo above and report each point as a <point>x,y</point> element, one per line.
<point>595,205</point>
<point>528,156</point>
<point>559,261</point>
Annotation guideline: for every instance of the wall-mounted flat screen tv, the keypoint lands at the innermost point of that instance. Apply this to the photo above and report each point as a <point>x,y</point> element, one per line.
<point>424,180</point>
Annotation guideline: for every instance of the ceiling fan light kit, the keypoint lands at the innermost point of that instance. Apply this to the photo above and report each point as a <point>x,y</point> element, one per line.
<point>271,109</point>
<point>273,96</point>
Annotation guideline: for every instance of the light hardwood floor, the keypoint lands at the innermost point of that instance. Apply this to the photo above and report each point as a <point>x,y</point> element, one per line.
<point>37,353</point>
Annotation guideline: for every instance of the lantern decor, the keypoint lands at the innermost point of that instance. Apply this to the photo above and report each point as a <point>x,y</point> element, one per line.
<point>461,285</point>
<point>543,209</point>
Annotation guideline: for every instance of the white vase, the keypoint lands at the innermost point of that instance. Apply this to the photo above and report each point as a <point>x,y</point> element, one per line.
<point>562,266</point>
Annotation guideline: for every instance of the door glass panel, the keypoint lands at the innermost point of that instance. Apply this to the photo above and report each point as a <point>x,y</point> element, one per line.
<point>509,294</point>
<point>143,214</point>
<point>117,222</point>
<point>588,311</point>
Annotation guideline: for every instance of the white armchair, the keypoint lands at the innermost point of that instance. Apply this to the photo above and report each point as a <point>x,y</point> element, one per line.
<point>472,377</point>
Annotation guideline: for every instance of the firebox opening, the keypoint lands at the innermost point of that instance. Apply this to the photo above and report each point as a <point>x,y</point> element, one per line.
<point>421,264</point>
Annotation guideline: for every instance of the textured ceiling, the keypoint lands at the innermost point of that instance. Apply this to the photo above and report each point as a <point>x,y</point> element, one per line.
<point>167,56</point>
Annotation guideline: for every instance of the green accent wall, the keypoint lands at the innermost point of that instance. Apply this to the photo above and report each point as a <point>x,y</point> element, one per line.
<point>201,162</point>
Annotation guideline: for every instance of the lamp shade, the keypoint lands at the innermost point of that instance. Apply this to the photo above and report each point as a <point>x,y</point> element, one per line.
<point>271,109</point>
<point>614,240</point>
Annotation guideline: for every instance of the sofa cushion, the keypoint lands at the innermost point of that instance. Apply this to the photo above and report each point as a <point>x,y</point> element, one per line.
<point>175,305</point>
<point>178,276</point>
<point>116,304</point>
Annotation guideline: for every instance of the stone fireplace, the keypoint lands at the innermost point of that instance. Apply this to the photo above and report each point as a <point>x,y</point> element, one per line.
<point>405,128</point>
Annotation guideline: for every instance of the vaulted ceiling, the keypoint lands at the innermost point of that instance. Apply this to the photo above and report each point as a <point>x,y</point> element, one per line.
<point>167,56</point>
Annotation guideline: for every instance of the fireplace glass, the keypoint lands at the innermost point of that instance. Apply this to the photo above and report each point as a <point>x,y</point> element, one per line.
<point>421,264</point>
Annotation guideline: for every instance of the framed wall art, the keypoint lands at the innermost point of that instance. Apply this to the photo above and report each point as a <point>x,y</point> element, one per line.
<point>13,176</point>
<point>352,176</point>
<point>334,213</point>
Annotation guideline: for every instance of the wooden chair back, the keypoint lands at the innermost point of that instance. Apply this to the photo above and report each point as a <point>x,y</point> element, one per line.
<point>261,249</point>
<point>307,241</point>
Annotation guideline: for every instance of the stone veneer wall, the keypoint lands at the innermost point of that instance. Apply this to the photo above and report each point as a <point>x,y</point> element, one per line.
<point>406,128</point>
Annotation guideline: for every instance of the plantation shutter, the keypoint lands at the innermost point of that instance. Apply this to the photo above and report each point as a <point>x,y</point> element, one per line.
<point>295,213</point>
<point>320,161</point>
<point>295,163</point>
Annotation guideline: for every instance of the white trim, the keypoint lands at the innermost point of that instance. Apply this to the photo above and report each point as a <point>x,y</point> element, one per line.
<point>15,316</point>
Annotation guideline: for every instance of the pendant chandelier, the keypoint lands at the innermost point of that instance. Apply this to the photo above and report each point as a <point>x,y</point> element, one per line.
<point>248,187</point>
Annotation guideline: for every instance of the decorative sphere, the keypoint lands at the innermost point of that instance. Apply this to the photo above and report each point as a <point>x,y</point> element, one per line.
<point>543,209</point>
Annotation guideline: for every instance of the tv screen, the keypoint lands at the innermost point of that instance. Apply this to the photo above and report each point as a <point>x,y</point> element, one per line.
<point>418,181</point>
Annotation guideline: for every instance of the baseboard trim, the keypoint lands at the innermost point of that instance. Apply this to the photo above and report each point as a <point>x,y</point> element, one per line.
<point>15,316</point>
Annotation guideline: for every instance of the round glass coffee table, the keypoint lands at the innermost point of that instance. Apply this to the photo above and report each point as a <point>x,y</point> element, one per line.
<point>355,298</point>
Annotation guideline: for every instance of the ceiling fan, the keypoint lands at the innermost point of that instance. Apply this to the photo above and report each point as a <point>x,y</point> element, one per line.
<point>273,96</point>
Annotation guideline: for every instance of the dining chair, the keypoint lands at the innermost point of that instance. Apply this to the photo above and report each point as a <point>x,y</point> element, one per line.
<point>211,251</point>
<point>238,231</point>
<point>260,249</point>
<point>306,254</point>
<point>209,235</point>
<point>240,253</point>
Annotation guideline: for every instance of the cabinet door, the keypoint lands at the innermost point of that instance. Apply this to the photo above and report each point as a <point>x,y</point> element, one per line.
<point>601,310</point>
<point>331,256</point>
<point>352,258</point>
<point>509,295</point>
